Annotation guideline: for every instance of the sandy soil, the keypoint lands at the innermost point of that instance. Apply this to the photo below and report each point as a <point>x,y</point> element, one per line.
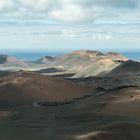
<point>110,113</point>
<point>24,88</point>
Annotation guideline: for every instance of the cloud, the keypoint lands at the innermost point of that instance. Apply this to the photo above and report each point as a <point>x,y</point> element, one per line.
<point>68,13</point>
<point>67,10</point>
<point>6,6</point>
<point>104,3</point>
<point>73,12</point>
<point>117,3</point>
<point>101,31</point>
<point>35,5</point>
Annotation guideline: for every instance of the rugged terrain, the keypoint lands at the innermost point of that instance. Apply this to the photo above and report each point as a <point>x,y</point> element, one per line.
<point>104,106</point>
<point>83,63</point>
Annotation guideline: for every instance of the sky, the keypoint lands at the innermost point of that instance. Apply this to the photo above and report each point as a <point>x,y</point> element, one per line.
<point>59,26</point>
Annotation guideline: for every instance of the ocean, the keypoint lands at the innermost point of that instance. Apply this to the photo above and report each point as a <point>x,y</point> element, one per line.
<point>31,56</point>
<point>132,55</point>
<point>34,56</point>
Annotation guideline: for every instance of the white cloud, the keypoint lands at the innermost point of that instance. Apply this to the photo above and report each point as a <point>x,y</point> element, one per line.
<point>102,36</point>
<point>68,10</point>
<point>6,5</point>
<point>68,13</point>
<point>35,5</point>
<point>74,12</point>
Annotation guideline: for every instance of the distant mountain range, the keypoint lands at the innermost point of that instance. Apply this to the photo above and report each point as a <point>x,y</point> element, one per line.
<point>6,60</point>
<point>86,63</point>
<point>83,63</point>
<point>45,60</point>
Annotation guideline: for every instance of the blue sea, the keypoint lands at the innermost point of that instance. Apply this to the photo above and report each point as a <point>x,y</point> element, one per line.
<point>132,55</point>
<point>34,56</point>
<point>31,56</point>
